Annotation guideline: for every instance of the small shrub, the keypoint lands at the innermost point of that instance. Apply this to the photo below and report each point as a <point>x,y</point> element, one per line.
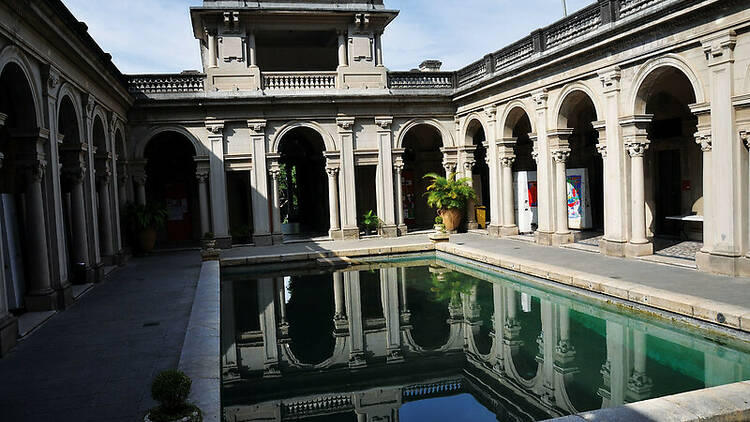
<point>438,220</point>
<point>171,389</point>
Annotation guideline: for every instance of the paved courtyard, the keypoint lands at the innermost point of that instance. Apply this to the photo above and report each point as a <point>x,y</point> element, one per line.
<point>95,361</point>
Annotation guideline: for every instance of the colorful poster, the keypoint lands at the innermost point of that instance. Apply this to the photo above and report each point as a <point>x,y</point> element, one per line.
<point>532,193</point>
<point>574,197</point>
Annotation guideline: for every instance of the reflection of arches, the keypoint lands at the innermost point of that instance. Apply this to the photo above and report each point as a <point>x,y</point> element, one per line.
<point>641,88</point>
<point>422,155</point>
<point>476,135</point>
<point>328,141</point>
<point>445,135</point>
<point>309,311</point>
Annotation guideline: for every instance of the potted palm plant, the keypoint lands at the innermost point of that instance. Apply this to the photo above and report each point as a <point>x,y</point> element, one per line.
<point>143,221</point>
<point>370,222</point>
<point>449,196</point>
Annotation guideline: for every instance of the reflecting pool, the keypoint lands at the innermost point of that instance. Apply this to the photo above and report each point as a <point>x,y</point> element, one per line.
<point>423,339</point>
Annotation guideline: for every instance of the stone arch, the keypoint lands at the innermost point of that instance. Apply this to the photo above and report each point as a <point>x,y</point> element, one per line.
<point>64,101</point>
<point>118,138</point>
<point>100,116</point>
<point>448,140</point>
<point>140,146</point>
<point>648,72</point>
<point>13,54</point>
<point>565,103</point>
<point>472,123</point>
<point>328,140</point>
<point>512,114</point>
<point>67,91</point>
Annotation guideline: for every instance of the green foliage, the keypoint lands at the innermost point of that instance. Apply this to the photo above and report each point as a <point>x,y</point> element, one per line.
<point>438,220</point>
<point>149,216</point>
<point>370,221</point>
<point>171,388</point>
<point>208,236</point>
<point>450,285</point>
<point>448,192</point>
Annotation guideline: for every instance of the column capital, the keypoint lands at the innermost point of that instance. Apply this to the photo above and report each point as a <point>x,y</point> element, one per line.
<point>384,123</point>
<point>345,124</point>
<point>51,77</point>
<point>540,98</point>
<point>745,137</point>
<point>3,118</point>
<point>140,179</point>
<point>202,175</point>
<point>490,112</point>
<point>215,127</point>
<point>610,79</point>
<point>636,146</point>
<point>103,176</point>
<point>257,126</point>
<point>469,164</point>
<point>449,167</point>
<point>332,171</point>
<point>535,155</point>
<point>560,154</point>
<point>507,161</point>
<point>601,148</point>
<point>703,139</point>
<point>719,48</point>
<point>33,170</point>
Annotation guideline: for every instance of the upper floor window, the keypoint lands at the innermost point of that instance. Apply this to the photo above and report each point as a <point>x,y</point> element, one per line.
<point>297,51</point>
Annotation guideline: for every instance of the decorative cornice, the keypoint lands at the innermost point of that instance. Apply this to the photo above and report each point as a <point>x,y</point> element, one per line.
<point>703,139</point>
<point>719,48</point>
<point>560,155</point>
<point>745,137</point>
<point>610,79</point>
<point>345,123</point>
<point>384,123</point>
<point>636,147</point>
<point>601,148</point>
<point>540,98</point>
<point>216,127</point>
<point>258,126</point>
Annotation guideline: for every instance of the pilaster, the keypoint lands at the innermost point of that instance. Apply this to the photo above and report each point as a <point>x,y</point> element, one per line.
<point>347,186</point>
<point>261,195</point>
<point>386,206</point>
<point>636,142</point>
<point>217,180</point>
<point>544,173</point>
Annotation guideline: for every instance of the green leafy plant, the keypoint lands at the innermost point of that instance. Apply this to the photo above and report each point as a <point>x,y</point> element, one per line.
<point>450,285</point>
<point>370,221</point>
<point>208,236</point>
<point>171,389</point>
<point>446,193</point>
<point>438,220</point>
<point>148,216</point>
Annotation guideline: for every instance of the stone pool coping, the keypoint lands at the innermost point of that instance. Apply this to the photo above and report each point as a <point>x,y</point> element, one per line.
<point>730,402</point>
<point>201,348</point>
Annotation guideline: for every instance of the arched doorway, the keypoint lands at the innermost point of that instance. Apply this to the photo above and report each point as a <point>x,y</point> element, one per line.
<point>517,129</point>
<point>171,182</point>
<point>303,184</point>
<point>480,174</point>
<point>22,209</point>
<point>422,155</point>
<point>673,164</point>
<point>584,166</point>
<point>74,158</point>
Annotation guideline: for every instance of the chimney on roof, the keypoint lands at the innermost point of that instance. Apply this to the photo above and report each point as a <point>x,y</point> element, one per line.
<point>430,66</point>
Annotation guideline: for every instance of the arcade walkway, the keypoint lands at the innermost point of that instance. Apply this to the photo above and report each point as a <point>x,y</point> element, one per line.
<point>95,361</point>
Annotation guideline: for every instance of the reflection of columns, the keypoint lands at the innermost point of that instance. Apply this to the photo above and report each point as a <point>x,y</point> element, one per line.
<point>333,199</point>
<point>275,173</point>
<point>105,216</point>
<point>354,312</point>
<point>560,155</point>
<point>398,166</point>
<point>547,348</point>
<point>268,327</point>
<point>39,295</point>
<point>615,369</point>
<point>564,349</point>
<point>229,358</point>
<point>509,220</point>
<point>339,318</point>
<point>280,284</point>
<point>639,384</point>
<point>512,327</point>
<point>498,321</point>
<point>389,292</point>
<point>636,143</point>
<point>202,176</point>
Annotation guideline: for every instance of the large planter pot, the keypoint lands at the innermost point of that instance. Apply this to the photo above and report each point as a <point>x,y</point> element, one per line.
<point>451,219</point>
<point>146,240</point>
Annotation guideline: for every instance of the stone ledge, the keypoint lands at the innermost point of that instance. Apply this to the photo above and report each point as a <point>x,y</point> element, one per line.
<point>724,403</point>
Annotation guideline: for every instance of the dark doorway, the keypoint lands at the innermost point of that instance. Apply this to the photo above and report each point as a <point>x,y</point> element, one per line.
<point>667,192</point>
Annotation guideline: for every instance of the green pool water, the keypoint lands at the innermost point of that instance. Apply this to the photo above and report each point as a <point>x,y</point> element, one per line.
<point>422,339</point>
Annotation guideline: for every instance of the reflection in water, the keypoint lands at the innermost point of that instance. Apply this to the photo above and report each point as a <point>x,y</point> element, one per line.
<point>428,340</point>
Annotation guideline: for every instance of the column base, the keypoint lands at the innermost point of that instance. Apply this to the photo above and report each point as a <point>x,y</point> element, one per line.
<point>472,225</point>
<point>336,234</point>
<point>64,296</point>
<point>563,238</point>
<point>109,260</point>
<point>509,231</point>
<point>402,230</point>
<point>639,249</point>
<point>495,231</point>
<point>263,239</point>
<point>224,242</point>
<point>122,257</point>
<point>543,238</point>
<point>350,233</point>
<point>612,247</point>
<point>389,231</point>
<point>42,301</point>
<point>714,263</point>
<point>8,334</point>
<point>98,270</point>
<point>277,238</point>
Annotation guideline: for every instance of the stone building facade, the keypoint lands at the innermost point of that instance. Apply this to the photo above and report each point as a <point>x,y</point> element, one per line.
<point>294,124</point>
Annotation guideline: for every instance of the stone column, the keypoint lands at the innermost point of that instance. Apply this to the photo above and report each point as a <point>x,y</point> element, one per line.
<point>122,179</point>
<point>398,167</point>
<point>703,139</point>
<point>218,183</point>
<point>545,181</point>
<point>8,323</point>
<point>343,61</point>
<point>275,173</point>
<point>261,194</point>
<point>386,207</point>
<point>212,55</point>
<point>560,153</point>
<point>639,384</point>
<point>729,218</point>
<point>333,201</point>
<point>266,306</point>
<point>636,143</point>
<point>251,49</point>
<point>378,49</point>
<point>494,226</point>
<point>347,182</point>
<point>201,176</point>
<point>614,156</point>
<point>40,296</point>
<point>509,216</point>
<point>471,213</point>
<point>103,177</point>
<point>74,172</point>
<point>564,351</point>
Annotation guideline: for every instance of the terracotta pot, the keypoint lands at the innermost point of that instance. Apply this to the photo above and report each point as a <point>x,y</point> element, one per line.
<point>451,218</point>
<point>147,240</point>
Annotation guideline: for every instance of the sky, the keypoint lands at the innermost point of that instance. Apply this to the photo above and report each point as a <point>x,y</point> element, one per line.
<point>155,36</point>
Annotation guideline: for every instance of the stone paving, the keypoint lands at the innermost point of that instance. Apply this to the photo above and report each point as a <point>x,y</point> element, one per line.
<point>95,361</point>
